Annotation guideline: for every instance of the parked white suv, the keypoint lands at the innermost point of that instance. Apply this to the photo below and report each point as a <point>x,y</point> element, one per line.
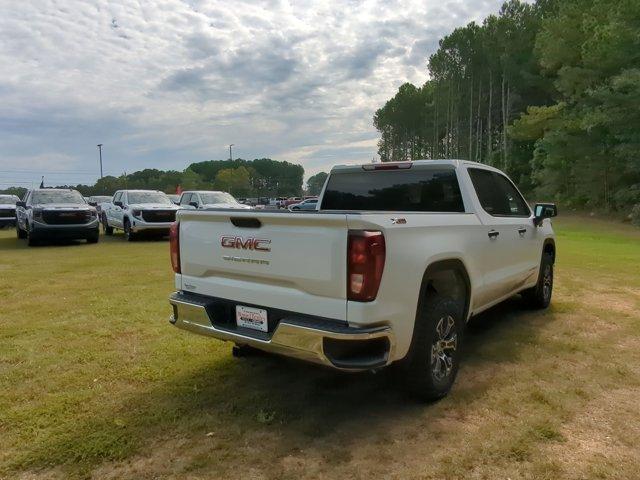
<point>138,211</point>
<point>397,259</point>
<point>203,199</point>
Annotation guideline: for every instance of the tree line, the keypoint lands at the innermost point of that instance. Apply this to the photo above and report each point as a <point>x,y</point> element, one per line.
<point>241,178</point>
<point>548,92</point>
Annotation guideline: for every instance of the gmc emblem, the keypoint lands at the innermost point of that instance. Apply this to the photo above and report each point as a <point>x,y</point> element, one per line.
<point>262,245</point>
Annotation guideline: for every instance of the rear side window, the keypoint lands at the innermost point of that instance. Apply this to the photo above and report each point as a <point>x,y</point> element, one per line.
<point>497,194</point>
<point>406,190</point>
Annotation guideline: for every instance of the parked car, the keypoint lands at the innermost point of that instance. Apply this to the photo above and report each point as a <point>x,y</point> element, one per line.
<point>209,199</point>
<point>138,211</point>
<point>308,204</point>
<point>97,201</point>
<point>49,213</point>
<point>425,245</point>
<point>8,210</point>
<point>291,201</point>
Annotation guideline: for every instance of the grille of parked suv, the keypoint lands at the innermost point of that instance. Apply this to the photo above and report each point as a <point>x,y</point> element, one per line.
<point>7,212</point>
<point>66,217</point>
<point>159,215</point>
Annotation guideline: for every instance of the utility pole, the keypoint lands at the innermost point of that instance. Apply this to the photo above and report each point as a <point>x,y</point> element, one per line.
<point>100,152</point>
<point>230,153</point>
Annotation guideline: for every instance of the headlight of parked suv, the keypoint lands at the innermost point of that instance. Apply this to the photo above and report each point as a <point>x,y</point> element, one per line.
<point>137,213</point>
<point>93,213</point>
<point>37,214</point>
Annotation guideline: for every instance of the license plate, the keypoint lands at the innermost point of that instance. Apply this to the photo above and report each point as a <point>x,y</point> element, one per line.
<point>254,318</point>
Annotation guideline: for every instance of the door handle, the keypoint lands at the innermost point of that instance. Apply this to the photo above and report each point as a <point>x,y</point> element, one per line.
<point>522,231</point>
<point>493,233</point>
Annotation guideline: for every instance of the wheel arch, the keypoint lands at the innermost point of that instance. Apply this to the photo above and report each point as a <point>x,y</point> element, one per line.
<point>549,246</point>
<point>447,277</point>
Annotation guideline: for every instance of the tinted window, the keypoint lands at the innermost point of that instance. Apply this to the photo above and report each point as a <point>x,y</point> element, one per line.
<point>209,198</point>
<point>117,197</point>
<point>147,197</point>
<point>497,194</point>
<point>419,190</point>
<point>186,198</point>
<point>43,197</point>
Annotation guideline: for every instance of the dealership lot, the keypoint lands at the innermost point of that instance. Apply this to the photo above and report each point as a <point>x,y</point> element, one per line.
<point>95,382</point>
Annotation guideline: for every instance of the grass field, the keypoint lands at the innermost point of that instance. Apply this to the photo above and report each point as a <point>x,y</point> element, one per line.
<point>94,382</point>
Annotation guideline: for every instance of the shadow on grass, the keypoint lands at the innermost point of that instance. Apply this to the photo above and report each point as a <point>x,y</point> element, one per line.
<point>236,399</point>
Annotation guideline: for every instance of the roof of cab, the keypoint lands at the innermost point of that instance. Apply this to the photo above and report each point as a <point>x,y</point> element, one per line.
<point>440,161</point>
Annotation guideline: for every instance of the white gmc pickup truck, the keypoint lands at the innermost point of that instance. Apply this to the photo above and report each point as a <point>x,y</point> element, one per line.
<point>388,270</point>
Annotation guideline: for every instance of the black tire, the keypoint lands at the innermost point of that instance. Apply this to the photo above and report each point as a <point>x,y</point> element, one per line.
<point>94,237</point>
<point>20,233</point>
<point>431,366</point>
<point>31,238</point>
<point>105,225</point>
<point>128,234</point>
<point>539,296</point>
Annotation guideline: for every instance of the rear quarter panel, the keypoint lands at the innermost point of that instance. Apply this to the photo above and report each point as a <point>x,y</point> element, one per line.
<point>410,249</point>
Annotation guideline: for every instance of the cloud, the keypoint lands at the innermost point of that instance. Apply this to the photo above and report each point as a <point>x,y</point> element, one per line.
<point>168,83</point>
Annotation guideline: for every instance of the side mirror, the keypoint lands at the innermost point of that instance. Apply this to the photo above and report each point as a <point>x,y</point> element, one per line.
<point>118,204</point>
<point>93,204</point>
<point>21,204</point>
<point>194,204</point>
<point>542,211</point>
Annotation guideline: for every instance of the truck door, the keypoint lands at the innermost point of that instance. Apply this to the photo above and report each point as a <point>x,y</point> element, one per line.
<point>114,214</point>
<point>507,234</point>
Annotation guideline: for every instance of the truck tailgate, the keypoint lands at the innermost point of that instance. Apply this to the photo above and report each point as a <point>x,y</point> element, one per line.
<point>289,261</point>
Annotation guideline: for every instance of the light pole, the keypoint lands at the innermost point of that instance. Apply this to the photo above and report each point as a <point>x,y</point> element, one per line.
<point>100,152</point>
<point>230,154</point>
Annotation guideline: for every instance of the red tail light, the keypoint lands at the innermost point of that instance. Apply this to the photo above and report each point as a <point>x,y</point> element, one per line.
<point>366,253</point>
<point>174,246</point>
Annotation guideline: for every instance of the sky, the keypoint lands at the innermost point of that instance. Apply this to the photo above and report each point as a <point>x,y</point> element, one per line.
<point>165,83</point>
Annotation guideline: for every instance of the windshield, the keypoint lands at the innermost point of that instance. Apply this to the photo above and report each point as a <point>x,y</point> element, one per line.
<point>8,199</point>
<point>217,197</point>
<point>42,197</point>
<point>148,197</point>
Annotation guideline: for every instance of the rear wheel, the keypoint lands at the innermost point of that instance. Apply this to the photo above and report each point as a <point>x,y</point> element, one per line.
<point>128,234</point>
<point>31,238</point>
<point>105,225</point>
<point>540,295</point>
<point>431,365</point>
<point>19,232</point>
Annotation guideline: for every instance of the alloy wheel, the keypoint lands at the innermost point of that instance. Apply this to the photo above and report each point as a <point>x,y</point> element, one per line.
<point>443,348</point>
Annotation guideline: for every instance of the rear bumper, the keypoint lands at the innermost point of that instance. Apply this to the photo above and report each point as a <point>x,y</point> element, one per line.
<point>324,341</point>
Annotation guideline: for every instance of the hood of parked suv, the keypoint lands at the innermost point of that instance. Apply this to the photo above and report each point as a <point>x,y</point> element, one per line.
<point>63,206</point>
<point>153,206</point>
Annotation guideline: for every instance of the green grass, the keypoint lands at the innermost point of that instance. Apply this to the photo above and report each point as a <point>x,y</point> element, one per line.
<point>95,382</point>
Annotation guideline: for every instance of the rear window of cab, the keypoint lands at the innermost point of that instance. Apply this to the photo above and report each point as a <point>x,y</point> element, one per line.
<point>404,190</point>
